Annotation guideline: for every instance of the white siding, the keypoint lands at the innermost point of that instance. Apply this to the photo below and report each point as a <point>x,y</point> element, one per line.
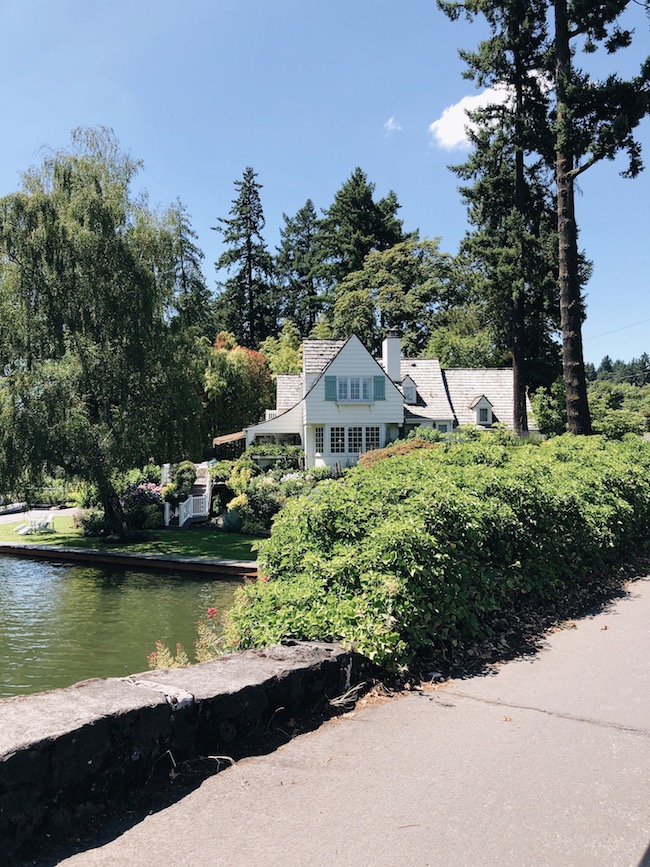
<point>353,360</point>
<point>387,415</point>
<point>287,423</point>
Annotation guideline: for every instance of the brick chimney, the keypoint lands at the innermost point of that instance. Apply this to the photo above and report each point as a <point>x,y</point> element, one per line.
<point>390,355</point>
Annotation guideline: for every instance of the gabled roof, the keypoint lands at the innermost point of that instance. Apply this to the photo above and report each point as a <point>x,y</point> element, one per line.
<point>463,384</point>
<point>478,399</point>
<point>288,390</point>
<point>317,354</point>
<point>432,401</point>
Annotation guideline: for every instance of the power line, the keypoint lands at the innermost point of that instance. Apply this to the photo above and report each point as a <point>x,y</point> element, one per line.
<point>605,333</point>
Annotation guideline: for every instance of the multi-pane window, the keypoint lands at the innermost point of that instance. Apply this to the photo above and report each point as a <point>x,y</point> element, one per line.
<point>442,428</point>
<point>355,440</point>
<point>372,438</point>
<point>483,415</point>
<point>350,388</point>
<point>337,440</point>
<point>319,439</point>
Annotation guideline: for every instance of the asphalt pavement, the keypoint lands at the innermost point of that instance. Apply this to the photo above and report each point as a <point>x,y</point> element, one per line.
<point>544,761</point>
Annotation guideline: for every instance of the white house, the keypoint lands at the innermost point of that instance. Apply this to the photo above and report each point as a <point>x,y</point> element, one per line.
<point>345,402</point>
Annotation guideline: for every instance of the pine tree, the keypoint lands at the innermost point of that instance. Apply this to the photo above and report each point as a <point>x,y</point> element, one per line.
<point>247,303</point>
<point>593,120</point>
<point>586,121</point>
<point>354,225</point>
<point>298,266</point>
<point>192,297</point>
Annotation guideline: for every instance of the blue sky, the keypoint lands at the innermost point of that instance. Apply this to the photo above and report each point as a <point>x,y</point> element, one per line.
<point>303,91</point>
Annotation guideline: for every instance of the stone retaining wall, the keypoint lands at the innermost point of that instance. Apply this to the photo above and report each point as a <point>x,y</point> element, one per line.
<point>81,750</point>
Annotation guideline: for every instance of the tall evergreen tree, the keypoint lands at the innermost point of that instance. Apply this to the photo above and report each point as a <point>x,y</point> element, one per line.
<point>507,203</point>
<point>192,297</point>
<point>355,225</point>
<point>586,121</point>
<point>298,267</point>
<point>247,303</point>
<point>593,120</point>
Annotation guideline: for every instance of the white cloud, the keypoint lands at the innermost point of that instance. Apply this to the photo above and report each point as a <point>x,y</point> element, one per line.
<point>392,125</point>
<point>449,131</point>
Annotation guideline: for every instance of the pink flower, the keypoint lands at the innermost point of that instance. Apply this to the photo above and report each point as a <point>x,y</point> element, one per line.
<point>212,613</point>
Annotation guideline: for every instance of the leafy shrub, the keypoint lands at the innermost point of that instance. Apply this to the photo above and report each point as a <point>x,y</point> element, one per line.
<point>434,547</point>
<point>91,523</point>
<point>221,470</point>
<point>369,459</point>
<point>430,434</point>
<point>85,496</point>
<point>183,476</point>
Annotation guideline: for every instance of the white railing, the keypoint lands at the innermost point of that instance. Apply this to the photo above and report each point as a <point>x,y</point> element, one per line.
<point>192,507</point>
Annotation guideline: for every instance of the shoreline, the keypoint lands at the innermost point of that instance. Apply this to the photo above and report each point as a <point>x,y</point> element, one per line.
<point>163,562</point>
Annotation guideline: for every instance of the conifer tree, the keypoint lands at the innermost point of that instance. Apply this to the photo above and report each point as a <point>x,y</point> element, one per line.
<point>247,305</point>
<point>354,225</point>
<point>192,296</point>
<point>298,267</point>
<point>586,121</point>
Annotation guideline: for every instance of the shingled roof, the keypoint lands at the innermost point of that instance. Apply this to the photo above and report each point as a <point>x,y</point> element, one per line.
<point>317,354</point>
<point>432,401</point>
<point>288,390</point>
<point>464,384</point>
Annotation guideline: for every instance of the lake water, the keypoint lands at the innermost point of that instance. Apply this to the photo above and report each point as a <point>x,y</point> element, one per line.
<point>61,623</point>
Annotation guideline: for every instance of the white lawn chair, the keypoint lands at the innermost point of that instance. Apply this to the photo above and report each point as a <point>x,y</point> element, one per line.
<point>43,523</point>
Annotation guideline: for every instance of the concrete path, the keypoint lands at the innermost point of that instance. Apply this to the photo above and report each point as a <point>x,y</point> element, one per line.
<point>545,762</point>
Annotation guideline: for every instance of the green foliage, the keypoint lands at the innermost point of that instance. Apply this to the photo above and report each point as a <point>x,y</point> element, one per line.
<point>284,352</point>
<point>247,304</point>
<point>221,470</point>
<point>549,406</point>
<point>617,408</point>
<point>299,269</point>
<point>287,457</point>
<point>162,657</point>
<point>462,338</point>
<point>88,336</point>
<point>92,523</point>
<point>183,476</point>
<point>238,385</point>
<point>432,548</point>
<point>354,225</point>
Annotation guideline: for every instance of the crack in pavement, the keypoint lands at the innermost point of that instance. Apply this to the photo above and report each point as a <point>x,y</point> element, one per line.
<point>595,722</point>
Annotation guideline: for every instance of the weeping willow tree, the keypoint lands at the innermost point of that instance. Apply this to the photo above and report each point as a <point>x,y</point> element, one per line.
<point>90,361</point>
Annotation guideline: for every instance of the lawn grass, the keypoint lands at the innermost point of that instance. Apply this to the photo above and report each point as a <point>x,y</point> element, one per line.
<point>195,542</point>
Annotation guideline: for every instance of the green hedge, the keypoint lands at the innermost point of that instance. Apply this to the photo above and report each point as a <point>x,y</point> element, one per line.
<point>432,548</point>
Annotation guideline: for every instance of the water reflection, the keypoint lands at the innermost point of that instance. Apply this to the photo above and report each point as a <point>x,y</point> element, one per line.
<point>60,623</point>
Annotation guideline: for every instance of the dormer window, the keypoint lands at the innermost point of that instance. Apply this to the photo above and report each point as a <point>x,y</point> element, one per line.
<point>409,393</point>
<point>482,410</point>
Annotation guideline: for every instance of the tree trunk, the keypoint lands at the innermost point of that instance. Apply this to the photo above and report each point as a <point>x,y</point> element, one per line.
<point>579,419</point>
<point>520,420</point>
<point>113,512</point>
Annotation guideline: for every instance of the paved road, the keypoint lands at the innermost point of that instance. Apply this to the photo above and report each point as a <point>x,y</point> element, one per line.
<point>546,762</point>
<point>22,516</point>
